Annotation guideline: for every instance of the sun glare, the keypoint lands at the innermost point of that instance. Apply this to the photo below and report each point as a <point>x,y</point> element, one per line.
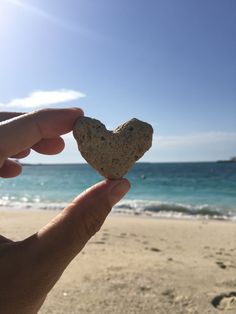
<point>2,13</point>
<point>5,15</point>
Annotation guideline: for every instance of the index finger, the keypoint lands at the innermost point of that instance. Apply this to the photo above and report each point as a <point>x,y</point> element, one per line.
<point>6,115</point>
<point>24,131</point>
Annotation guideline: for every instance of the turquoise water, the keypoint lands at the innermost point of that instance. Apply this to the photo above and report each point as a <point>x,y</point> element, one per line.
<point>167,189</point>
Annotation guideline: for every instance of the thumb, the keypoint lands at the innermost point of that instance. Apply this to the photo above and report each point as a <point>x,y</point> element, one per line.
<point>63,238</point>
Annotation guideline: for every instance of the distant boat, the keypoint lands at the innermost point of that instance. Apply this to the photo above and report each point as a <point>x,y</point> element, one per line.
<point>233,159</point>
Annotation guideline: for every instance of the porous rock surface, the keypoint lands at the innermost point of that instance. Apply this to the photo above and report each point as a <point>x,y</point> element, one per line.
<point>112,153</point>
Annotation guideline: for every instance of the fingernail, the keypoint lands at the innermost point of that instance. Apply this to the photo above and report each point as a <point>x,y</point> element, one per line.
<point>118,191</point>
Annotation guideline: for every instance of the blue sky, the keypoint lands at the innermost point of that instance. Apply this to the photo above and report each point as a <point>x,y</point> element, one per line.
<point>171,63</point>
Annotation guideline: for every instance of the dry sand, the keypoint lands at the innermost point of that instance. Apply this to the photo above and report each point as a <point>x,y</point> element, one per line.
<point>142,265</point>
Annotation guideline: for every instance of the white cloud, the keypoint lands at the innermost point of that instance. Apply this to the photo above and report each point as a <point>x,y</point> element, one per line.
<point>196,139</point>
<point>43,98</point>
<point>201,146</point>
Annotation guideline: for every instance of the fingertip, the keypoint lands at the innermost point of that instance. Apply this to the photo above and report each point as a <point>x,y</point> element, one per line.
<point>22,154</point>
<point>78,111</point>
<point>10,169</point>
<point>108,192</point>
<point>50,146</point>
<point>113,182</point>
<point>118,191</point>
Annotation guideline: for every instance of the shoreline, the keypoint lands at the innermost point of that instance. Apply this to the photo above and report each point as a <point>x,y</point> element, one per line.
<point>126,212</point>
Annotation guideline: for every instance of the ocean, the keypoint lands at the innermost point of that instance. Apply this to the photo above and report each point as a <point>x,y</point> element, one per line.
<point>190,190</point>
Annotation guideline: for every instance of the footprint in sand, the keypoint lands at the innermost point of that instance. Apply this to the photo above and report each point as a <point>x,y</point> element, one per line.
<point>123,235</point>
<point>105,236</point>
<point>225,301</point>
<point>98,242</point>
<point>221,264</point>
<point>155,249</point>
<point>225,264</point>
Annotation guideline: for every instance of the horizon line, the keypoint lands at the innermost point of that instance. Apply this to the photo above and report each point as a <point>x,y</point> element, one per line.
<point>141,162</point>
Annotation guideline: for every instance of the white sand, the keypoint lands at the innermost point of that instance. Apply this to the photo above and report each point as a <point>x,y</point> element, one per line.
<point>142,265</point>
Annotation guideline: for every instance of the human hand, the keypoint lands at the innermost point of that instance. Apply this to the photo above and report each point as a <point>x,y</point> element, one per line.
<point>26,272</point>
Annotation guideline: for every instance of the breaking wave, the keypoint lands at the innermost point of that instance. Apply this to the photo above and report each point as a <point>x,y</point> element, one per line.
<point>175,210</point>
<point>136,207</point>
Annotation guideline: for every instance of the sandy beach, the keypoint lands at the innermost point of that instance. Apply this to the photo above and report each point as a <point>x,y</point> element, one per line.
<point>138,264</point>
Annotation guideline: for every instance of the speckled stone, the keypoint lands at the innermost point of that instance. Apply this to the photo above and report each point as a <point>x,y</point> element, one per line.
<point>112,153</point>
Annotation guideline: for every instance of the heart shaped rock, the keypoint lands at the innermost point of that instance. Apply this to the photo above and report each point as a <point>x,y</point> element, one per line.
<point>112,153</point>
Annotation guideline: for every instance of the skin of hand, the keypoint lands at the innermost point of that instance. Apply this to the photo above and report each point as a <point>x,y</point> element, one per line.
<point>26,272</point>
